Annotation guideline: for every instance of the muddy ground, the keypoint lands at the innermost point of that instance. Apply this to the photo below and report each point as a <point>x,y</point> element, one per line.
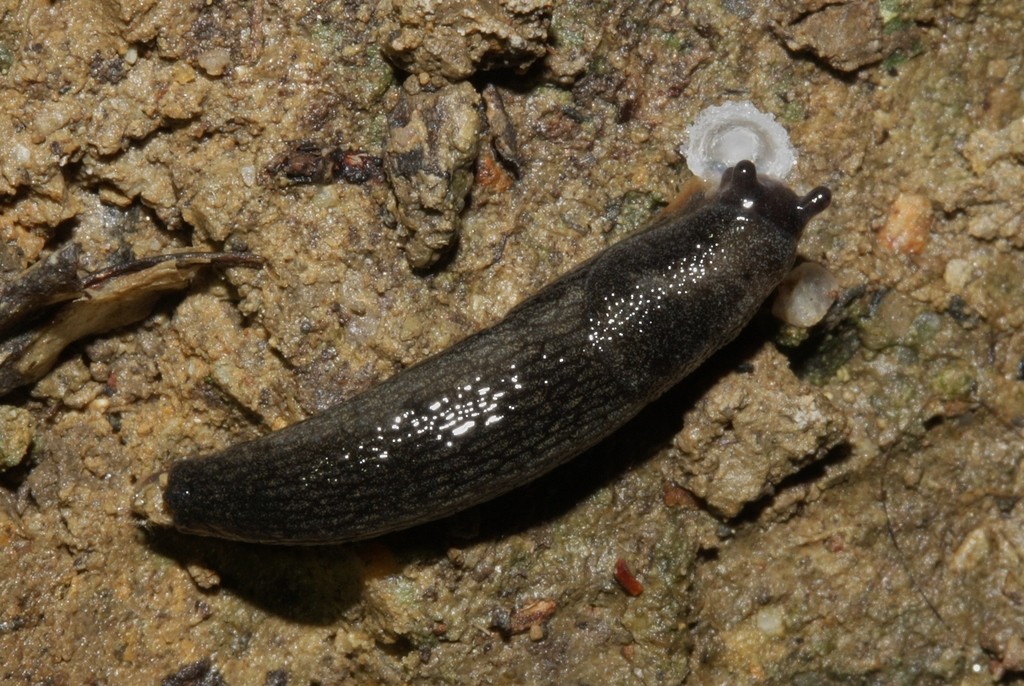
<point>839,505</point>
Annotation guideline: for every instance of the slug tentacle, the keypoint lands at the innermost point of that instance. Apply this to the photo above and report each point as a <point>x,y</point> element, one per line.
<point>814,203</point>
<point>563,370</point>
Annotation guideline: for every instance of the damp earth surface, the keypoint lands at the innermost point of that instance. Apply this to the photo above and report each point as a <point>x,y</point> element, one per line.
<point>840,504</point>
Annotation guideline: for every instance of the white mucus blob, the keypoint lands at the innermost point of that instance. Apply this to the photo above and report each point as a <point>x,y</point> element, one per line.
<point>725,134</point>
<point>805,295</point>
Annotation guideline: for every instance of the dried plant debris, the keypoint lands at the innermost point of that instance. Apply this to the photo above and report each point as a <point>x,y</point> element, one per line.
<point>309,162</point>
<point>45,283</point>
<point>100,301</point>
<point>502,131</point>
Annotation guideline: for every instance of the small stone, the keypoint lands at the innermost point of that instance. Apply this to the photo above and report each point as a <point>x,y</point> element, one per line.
<point>16,432</point>
<point>908,228</point>
<point>958,274</point>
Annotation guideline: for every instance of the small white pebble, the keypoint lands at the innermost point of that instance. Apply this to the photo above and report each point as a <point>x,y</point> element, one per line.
<point>770,620</point>
<point>214,61</point>
<point>100,404</point>
<point>725,134</point>
<point>958,274</point>
<point>131,55</point>
<point>248,174</point>
<point>805,295</point>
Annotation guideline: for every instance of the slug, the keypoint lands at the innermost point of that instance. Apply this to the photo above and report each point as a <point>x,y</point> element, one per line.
<point>561,371</point>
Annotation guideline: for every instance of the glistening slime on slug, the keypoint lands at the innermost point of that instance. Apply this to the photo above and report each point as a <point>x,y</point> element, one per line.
<point>560,372</point>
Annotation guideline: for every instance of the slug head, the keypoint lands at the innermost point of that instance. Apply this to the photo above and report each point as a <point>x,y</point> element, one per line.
<point>770,199</point>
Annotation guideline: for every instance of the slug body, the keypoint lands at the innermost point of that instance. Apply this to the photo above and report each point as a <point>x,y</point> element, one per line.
<point>563,370</point>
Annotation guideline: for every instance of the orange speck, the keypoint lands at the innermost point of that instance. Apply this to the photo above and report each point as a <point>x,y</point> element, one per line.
<point>626,579</point>
<point>491,174</point>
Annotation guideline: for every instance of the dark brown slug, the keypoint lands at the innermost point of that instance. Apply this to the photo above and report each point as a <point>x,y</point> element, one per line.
<point>560,372</point>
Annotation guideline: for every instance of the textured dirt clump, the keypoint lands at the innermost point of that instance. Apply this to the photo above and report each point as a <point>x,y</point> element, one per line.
<point>433,143</point>
<point>837,505</point>
<point>844,35</point>
<point>725,429</point>
<point>453,39</point>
